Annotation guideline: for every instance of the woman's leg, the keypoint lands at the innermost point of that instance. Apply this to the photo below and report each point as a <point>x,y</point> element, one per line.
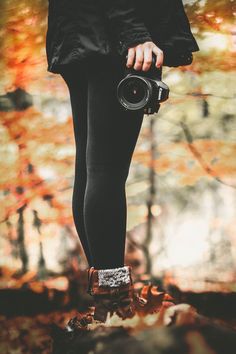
<point>78,89</point>
<point>112,136</point>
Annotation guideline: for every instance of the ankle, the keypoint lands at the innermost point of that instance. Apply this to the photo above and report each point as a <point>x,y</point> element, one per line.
<point>103,280</point>
<point>114,277</point>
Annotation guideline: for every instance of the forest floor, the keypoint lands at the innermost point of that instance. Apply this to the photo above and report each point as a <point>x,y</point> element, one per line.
<point>34,335</point>
<point>173,329</point>
<point>53,317</point>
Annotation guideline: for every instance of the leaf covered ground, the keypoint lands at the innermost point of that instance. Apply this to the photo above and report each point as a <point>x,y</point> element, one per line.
<point>162,327</point>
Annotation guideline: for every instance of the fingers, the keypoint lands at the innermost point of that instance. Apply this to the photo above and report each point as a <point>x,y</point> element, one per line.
<point>131,56</point>
<point>159,56</point>
<point>147,58</point>
<point>141,56</point>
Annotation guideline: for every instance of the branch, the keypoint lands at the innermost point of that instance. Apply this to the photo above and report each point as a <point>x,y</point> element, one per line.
<point>198,156</point>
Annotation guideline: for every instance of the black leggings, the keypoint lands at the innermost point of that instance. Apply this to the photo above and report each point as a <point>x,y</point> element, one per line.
<point>105,137</point>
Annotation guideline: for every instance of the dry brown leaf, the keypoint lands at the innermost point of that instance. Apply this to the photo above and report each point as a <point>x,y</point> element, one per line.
<point>154,300</point>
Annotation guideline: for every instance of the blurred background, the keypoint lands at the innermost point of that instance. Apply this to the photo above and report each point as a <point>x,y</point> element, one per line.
<point>181,190</point>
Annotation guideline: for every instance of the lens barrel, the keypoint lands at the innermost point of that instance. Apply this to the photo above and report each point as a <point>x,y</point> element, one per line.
<point>134,92</point>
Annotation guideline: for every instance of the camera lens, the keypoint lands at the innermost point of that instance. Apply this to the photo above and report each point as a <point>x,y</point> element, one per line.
<point>134,92</point>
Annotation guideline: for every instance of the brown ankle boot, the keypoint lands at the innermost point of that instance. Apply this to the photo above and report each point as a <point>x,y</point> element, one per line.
<point>112,290</point>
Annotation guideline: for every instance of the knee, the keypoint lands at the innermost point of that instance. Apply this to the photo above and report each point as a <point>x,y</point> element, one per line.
<point>107,173</point>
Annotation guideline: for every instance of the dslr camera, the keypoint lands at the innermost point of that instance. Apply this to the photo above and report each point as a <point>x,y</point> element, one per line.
<point>142,89</point>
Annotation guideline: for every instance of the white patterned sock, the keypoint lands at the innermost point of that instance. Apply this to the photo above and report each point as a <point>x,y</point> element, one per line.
<point>114,277</point>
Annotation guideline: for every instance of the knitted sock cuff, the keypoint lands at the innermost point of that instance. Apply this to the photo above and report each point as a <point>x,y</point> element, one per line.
<point>114,277</point>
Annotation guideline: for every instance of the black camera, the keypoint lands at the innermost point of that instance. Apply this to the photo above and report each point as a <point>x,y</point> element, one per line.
<point>142,89</point>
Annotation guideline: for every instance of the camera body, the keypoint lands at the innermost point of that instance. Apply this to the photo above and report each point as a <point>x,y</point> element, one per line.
<point>142,89</point>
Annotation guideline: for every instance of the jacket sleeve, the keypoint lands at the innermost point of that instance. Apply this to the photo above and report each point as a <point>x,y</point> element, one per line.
<point>128,28</point>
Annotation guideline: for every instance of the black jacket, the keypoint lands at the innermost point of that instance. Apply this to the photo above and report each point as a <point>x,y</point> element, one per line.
<point>79,29</point>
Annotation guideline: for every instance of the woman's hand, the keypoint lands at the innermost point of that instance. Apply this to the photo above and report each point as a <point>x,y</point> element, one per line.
<point>142,55</point>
